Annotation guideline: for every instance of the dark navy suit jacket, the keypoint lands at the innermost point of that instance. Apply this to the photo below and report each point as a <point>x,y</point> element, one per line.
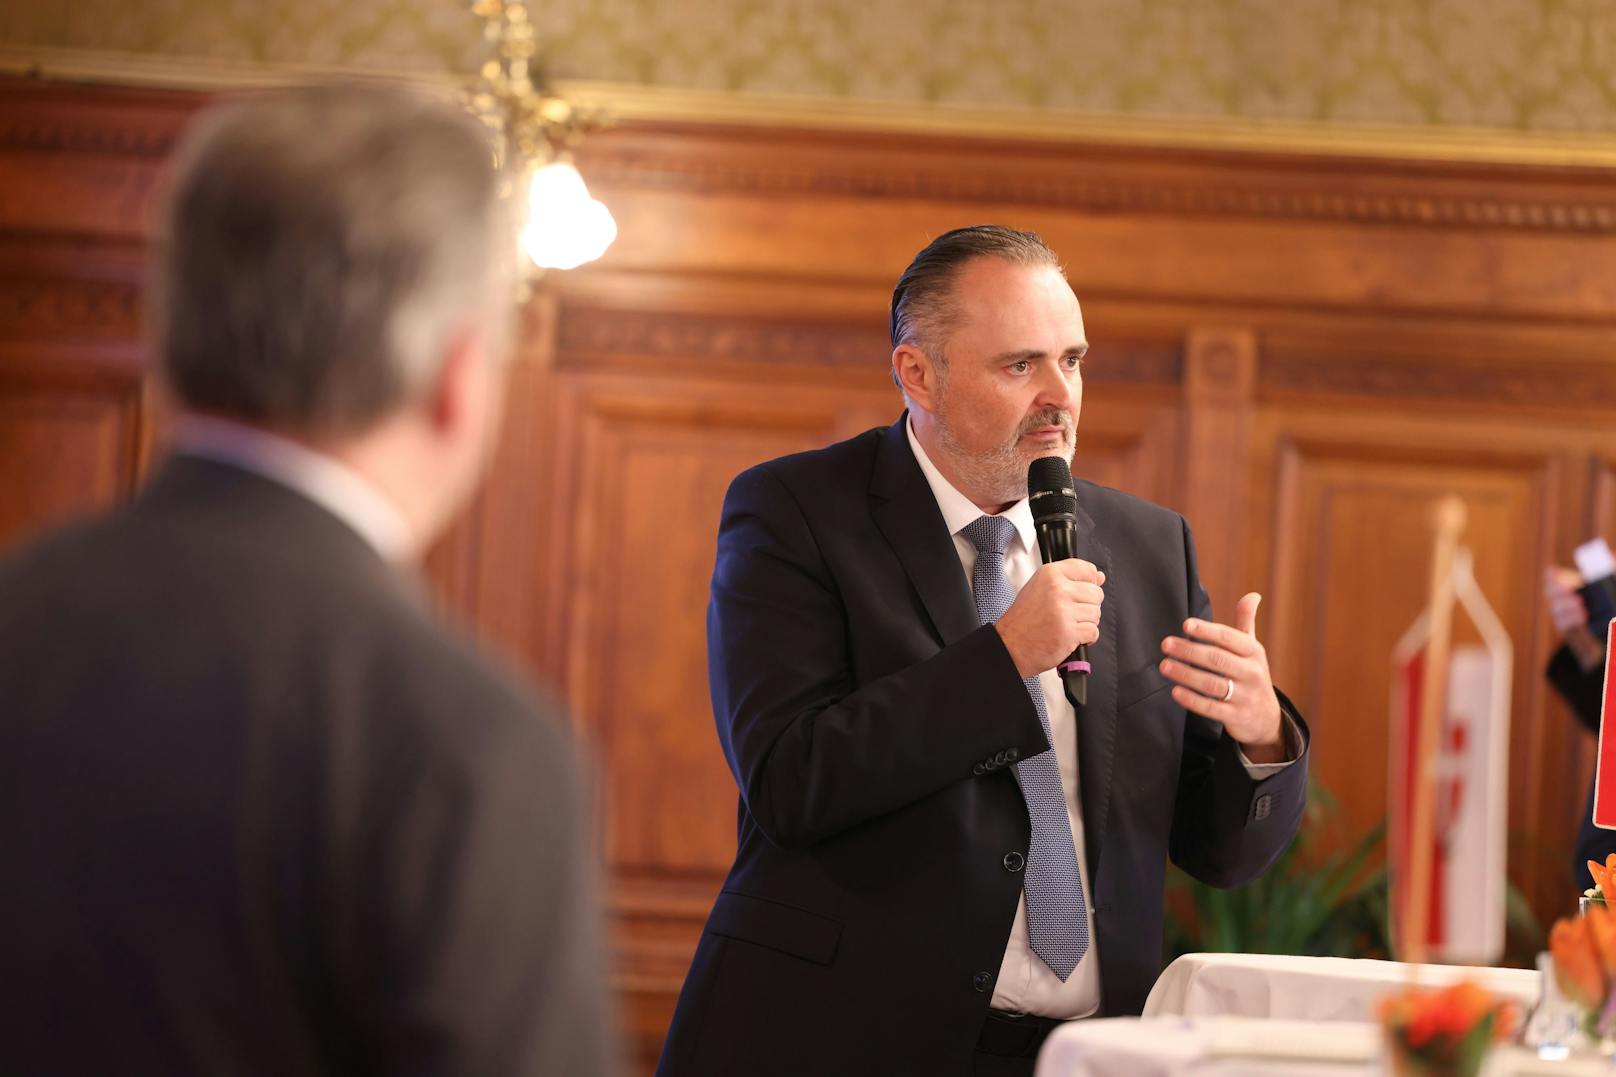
<point>1584,692</point>
<point>262,813</point>
<point>870,723</point>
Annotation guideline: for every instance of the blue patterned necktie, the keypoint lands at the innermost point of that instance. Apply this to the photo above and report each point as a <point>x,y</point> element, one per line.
<point>1057,921</point>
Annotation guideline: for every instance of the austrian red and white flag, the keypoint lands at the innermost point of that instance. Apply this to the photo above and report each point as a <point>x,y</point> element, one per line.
<point>1605,766</point>
<point>1466,914</point>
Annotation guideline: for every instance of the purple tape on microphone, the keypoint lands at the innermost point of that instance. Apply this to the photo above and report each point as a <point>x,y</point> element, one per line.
<point>1073,667</point>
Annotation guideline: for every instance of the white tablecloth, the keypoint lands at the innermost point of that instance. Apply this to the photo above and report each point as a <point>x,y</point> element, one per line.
<point>1206,1046</point>
<point>1252,1047</point>
<point>1310,988</point>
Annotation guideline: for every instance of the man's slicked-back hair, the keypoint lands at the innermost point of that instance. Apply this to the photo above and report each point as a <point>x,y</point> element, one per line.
<point>321,246</point>
<point>923,310</point>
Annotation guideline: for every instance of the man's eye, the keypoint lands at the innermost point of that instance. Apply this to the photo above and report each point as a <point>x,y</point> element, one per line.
<point>1073,362</point>
<point>1020,366</point>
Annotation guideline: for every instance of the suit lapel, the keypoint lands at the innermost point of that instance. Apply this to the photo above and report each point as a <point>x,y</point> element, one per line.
<point>907,514</point>
<point>1097,721</point>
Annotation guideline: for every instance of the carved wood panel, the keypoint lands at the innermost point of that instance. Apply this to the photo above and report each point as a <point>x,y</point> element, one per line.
<point>69,444</point>
<point>1349,494</point>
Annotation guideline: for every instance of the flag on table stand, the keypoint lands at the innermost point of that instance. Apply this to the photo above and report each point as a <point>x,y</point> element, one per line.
<point>1605,764</point>
<point>1462,879</point>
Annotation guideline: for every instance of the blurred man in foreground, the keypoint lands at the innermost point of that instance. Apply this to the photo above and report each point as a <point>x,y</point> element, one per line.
<point>260,812</point>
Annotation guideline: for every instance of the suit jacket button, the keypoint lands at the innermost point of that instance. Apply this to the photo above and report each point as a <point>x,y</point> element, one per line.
<point>979,769</point>
<point>1012,754</point>
<point>1265,805</point>
<point>982,981</point>
<point>1002,758</point>
<point>1014,861</point>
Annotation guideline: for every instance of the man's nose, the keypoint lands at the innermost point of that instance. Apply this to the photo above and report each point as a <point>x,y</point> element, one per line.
<point>1055,387</point>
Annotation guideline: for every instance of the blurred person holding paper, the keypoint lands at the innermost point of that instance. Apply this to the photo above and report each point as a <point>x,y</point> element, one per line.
<point>1581,605</point>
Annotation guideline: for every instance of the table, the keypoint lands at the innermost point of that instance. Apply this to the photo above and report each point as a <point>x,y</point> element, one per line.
<point>1310,988</point>
<point>1252,1047</point>
<point>1209,1047</point>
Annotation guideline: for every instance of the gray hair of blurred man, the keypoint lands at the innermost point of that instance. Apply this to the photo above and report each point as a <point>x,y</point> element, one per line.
<point>925,312</point>
<point>322,247</point>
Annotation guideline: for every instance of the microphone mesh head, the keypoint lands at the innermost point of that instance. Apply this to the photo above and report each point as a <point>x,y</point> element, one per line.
<point>1049,488</point>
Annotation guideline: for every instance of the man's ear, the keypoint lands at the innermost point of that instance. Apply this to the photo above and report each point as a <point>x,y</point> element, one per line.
<point>450,398</point>
<point>916,375</point>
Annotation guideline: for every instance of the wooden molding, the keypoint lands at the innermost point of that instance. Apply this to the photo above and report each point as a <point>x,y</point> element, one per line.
<point>1258,179</point>
<point>68,133</point>
<point>1524,382</point>
<point>1247,185</point>
<point>587,333</point>
<point>53,309</point>
<point>1220,375</point>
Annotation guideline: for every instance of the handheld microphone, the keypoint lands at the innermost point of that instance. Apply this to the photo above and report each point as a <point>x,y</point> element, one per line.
<point>1054,516</point>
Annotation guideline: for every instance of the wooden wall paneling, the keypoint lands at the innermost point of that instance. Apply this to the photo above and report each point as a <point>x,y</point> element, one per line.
<point>452,564</point>
<point>85,160</point>
<point>74,413</point>
<point>1233,265</point>
<point>69,442</point>
<point>1129,431</point>
<point>1351,542</point>
<point>1220,378</point>
<point>1130,442</point>
<point>1214,228</point>
<point>1550,383</point>
<point>654,456</point>
<point>517,499</point>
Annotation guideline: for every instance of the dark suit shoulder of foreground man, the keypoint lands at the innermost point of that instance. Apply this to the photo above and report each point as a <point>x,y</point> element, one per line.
<point>941,855</point>
<point>262,812</point>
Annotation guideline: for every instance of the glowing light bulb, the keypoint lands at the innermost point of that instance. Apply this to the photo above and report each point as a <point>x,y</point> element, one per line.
<point>565,226</point>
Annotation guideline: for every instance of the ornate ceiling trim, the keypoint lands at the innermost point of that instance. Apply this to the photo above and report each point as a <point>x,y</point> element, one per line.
<point>640,102</point>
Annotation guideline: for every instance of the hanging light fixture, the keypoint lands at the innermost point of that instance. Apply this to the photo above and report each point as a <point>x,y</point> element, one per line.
<point>538,130</point>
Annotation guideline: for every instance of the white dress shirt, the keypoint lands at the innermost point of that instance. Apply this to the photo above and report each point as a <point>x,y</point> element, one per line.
<point>332,485</point>
<point>1025,983</point>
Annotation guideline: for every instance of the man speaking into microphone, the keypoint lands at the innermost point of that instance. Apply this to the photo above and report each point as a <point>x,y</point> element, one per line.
<point>941,855</point>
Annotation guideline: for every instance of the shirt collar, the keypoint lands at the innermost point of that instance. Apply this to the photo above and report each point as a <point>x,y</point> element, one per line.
<point>332,485</point>
<point>960,511</point>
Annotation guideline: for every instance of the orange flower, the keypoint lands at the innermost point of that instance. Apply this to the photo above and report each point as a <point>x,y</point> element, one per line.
<point>1601,876</point>
<point>1435,1023</point>
<point>1577,966</point>
<point>1421,1029</point>
<point>1602,933</point>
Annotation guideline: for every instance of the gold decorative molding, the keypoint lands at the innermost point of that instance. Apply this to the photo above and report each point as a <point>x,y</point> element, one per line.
<point>180,72</point>
<point>662,103</point>
<point>1377,141</point>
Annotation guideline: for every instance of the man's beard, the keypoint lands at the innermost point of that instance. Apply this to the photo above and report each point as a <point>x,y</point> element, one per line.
<point>999,475</point>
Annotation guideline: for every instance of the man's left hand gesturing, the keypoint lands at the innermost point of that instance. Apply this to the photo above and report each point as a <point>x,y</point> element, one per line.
<point>1221,672</point>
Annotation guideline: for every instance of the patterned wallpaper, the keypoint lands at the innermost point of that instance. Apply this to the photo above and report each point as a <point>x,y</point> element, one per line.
<point>1534,65</point>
